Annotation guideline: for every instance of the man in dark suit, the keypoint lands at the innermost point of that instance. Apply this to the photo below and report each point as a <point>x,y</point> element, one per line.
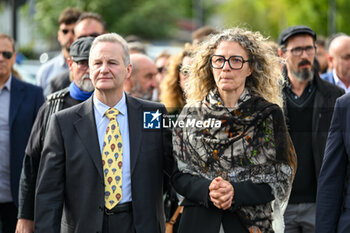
<point>71,194</point>
<point>333,193</point>
<point>19,104</point>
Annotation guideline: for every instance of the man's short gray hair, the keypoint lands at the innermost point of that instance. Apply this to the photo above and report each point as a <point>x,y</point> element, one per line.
<point>113,38</point>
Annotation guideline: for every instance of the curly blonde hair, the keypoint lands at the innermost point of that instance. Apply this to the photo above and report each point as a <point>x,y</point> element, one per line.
<point>265,81</point>
<point>171,94</point>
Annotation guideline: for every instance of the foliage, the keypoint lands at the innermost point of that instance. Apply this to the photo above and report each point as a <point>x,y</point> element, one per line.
<point>148,19</point>
<point>271,16</point>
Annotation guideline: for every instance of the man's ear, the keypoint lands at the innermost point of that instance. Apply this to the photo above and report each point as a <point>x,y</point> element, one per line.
<point>70,62</point>
<point>280,52</point>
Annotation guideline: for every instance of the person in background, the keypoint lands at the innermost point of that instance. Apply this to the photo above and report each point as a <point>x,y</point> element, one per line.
<point>321,54</point>
<point>161,62</point>
<point>88,24</point>
<point>19,104</point>
<point>339,59</point>
<point>308,108</point>
<point>142,81</point>
<point>235,173</point>
<point>65,36</point>
<point>202,33</point>
<point>173,86</point>
<point>79,90</point>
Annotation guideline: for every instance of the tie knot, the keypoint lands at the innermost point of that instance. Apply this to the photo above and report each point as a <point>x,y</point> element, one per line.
<point>111,113</point>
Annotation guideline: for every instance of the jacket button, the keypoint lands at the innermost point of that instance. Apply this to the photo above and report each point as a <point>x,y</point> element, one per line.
<point>100,208</point>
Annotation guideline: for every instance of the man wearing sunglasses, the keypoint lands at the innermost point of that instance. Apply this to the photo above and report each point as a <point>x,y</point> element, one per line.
<point>309,103</point>
<point>65,37</point>
<point>89,24</point>
<point>19,104</point>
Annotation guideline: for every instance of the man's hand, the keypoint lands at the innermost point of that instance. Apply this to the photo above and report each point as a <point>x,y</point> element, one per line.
<point>25,226</point>
<point>221,193</point>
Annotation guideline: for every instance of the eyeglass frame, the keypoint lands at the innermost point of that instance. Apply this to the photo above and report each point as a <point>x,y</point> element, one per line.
<point>162,69</point>
<point>94,34</point>
<point>184,70</point>
<point>312,50</point>
<point>82,65</point>
<point>227,60</point>
<point>7,54</point>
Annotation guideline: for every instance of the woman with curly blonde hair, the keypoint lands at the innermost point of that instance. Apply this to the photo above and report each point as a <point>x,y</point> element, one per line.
<point>235,159</point>
<point>172,86</point>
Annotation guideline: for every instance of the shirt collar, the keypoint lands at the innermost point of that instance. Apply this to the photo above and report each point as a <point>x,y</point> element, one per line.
<point>102,108</point>
<point>8,83</point>
<point>337,80</point>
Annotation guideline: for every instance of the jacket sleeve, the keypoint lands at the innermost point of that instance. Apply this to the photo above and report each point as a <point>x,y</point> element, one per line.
<point>30,169</point>
<point>249,194</point>
<point>192,187</point>
<point>333,173</point>
<point>49,197</point>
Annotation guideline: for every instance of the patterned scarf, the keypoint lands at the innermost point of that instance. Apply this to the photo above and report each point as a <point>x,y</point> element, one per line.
<point>252,144</point>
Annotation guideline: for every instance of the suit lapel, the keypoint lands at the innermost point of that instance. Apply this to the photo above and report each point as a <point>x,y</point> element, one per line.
<point>16,97</point>
<point>135,128</point>
<point>85,126</point>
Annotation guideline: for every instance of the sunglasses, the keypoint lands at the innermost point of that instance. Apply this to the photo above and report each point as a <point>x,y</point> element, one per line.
<point>6,54</point>
<point>65,31</point>
<point>161,69</point>
<point>92,35</point>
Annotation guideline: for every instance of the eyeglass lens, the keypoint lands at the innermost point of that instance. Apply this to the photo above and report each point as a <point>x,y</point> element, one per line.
<point>299,50</point>
<point>6,54</point>
<point>235,62</point>
<point>65,31</point>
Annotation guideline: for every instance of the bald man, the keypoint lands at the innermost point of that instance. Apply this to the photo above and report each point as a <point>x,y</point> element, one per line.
<point>339,58</point>
<point>142,81</point>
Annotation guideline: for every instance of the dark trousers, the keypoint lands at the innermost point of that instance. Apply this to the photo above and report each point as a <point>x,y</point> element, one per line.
<point>8,217</point>
<point>120,221</point>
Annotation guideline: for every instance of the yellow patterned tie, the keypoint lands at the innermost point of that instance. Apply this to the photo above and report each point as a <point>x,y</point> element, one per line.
<point>112,160</point>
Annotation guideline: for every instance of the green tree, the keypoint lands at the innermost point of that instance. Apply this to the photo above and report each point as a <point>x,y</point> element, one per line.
<point>149,19</point>
<point>272,16</point>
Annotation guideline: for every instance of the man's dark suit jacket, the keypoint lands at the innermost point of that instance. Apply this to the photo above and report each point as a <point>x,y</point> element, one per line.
<point>333,194</point>
<point>70,178</point>
<point>25,101</point>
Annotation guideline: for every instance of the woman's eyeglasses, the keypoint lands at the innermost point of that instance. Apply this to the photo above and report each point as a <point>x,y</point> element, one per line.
<point>235,62</point>
<point>185,71</point>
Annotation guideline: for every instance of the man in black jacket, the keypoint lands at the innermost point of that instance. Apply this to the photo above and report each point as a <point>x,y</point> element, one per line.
<point>309,103</point>
<point>79,90</point>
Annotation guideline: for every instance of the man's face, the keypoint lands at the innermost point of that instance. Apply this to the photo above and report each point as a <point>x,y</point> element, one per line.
<point>162,65</point>
<point>6,63</point>
<point>340,59</point>
<point>300,66</point>
<point>88,27</point>
<point>145,79</point>
<point>66,35</point>
<point>107,69</point>
<point>81,74</point>
<point>321,55</point>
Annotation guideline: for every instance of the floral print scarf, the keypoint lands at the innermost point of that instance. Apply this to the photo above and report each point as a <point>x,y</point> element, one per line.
<point>251,144</point>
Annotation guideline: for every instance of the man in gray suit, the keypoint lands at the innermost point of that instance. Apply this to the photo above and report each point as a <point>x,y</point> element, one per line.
<point>71,189</point>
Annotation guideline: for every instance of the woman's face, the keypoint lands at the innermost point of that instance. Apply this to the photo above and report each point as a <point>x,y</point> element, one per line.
<point>186,62</point>
<point>226,78</point>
